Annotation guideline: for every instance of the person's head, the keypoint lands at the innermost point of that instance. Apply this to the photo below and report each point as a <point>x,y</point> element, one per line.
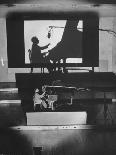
<point>34,40</point>
<point>36,90</point>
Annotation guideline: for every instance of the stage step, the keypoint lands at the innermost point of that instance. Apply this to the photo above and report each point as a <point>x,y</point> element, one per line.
<point>11,113</point>
<point>9,94</point>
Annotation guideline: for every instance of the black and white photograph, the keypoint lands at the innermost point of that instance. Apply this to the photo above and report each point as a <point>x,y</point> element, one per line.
<point>57,77</point>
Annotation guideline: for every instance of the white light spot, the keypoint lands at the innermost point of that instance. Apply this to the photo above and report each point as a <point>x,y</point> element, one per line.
<point>2,61</point>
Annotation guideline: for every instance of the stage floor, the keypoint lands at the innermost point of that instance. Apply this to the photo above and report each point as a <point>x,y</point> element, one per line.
<point>54,140</point>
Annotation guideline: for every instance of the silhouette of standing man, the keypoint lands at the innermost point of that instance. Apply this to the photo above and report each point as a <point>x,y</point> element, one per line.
<point>35,54</point>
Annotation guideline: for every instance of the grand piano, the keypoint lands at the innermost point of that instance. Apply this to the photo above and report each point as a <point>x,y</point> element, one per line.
<point>54,97</point>
<point>70,45</point>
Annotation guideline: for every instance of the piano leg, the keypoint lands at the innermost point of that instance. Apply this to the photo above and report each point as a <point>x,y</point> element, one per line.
<point>64,68</point>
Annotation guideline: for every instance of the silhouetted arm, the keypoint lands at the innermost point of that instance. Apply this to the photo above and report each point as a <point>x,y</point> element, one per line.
<point>44,47</point>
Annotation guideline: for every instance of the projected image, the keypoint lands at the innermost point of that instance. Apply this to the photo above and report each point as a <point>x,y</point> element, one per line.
<point>49,41</point>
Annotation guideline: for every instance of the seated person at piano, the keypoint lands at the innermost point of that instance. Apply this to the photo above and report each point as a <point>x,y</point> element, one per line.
<point>40,100</point>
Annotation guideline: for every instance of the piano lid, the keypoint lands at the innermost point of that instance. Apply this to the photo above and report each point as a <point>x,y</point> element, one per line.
<point>70,45</point>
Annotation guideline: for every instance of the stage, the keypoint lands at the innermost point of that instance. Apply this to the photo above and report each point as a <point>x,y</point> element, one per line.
<point>54,140</point>
<point>67,137</point>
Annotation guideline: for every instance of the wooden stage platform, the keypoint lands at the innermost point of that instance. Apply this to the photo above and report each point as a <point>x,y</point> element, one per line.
<point>46,140</point>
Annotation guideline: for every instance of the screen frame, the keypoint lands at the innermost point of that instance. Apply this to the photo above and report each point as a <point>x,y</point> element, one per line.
<point>16,49</point>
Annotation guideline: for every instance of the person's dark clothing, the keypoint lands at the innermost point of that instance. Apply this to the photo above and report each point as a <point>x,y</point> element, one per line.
<point>36,55</point>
